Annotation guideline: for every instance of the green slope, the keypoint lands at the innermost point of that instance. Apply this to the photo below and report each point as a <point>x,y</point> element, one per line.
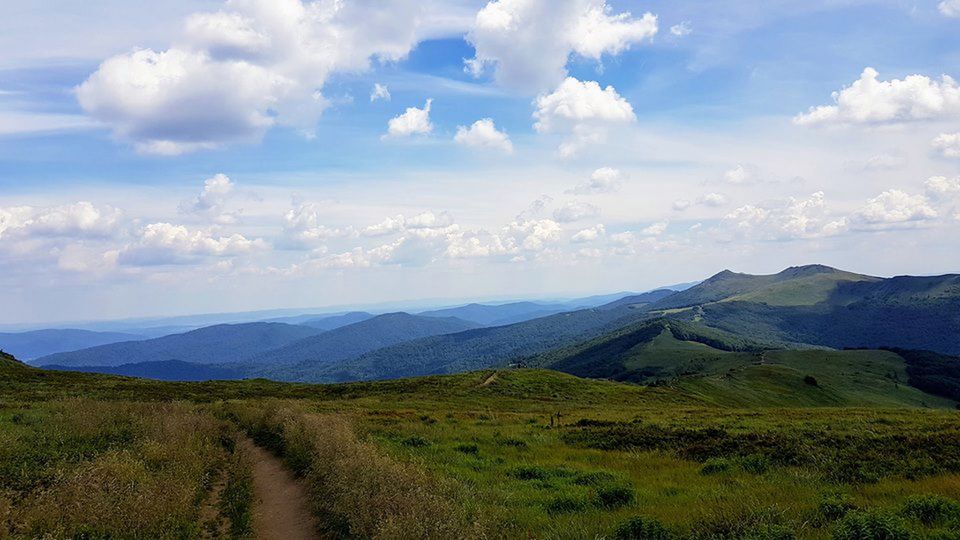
<point>652,350</point>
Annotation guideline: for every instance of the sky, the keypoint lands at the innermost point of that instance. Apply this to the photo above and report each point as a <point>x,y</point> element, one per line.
<point>207,156</point>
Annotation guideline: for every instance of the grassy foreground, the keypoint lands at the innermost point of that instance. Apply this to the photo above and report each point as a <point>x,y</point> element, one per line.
<point>493,454</point>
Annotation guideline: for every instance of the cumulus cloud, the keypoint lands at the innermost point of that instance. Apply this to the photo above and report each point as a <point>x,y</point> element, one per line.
<point>237,72</point>
<point>602,180</point>
<point>893,207</point>
<point>529,42</point>
<point>949,8</point>
<point>575,211</point>
<point>166,243</point>
<point>884,162</point>
<point>948,144</point>
<point>941,187</point>
<point>589,235</point>
<point>682,29</point>
<point>379,92</point>
<point>210,201</point>
<point>399,223</point>
<point>303,226</point>
<point>413,121</point>
<point>741,174</point>
<point>582,111</point>
<point>681,204</point>
<point>655,229</point>
<point>77,220</point>
<point>710,199</point>
<point>869,101</point>
<point>483,134</point>
<point>792,219</point>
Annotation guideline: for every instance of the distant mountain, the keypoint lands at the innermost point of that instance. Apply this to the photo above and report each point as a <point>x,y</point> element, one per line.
<point>640,301</point>
<point>165,370</point>
<point>318,352</point>
<point>37,343</point>
<point>823,306</point>
<point>331,322</point>
<point>219,344</point>
<point>472,349</point>
<point>498,314</point>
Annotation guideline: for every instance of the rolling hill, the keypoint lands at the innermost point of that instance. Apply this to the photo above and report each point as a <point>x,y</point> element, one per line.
<point>37,343</point>
<point>472,349</point>
<point>498,314</point>
<point>165,370</point>
<point>822,306</point>
<point>318,352</point>
<point>219,344</point>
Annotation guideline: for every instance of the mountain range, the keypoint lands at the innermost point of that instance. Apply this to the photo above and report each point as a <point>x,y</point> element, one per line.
<point>729,319</point>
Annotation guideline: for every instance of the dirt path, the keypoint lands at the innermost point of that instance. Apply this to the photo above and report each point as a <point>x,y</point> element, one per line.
<point>281,509</point>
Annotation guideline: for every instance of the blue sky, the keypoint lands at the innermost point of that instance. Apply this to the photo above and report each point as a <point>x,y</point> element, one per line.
<point>216,156</point>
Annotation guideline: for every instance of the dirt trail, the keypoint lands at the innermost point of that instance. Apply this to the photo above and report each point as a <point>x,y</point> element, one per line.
<point>281,508</point>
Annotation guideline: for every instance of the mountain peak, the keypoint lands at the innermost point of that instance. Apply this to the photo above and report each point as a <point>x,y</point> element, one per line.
<point>808,270</point>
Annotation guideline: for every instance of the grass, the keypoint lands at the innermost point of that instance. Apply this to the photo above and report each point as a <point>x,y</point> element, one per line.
<point>495,454</point>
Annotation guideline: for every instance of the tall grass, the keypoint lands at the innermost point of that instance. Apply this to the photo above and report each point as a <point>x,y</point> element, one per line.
<point>87,469</point>
<point>356,489</point>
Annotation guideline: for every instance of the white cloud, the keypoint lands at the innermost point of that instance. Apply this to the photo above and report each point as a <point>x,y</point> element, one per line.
<point>529,42</point>
<point>602,180</point>
<point>379,91</point>
<point>712,199</point>
<point>210,201</point>
<point>400,223</point>
<point>483,134</point>
<point>871,101</point>
<point>77,220</point>
<point>894,207</point>
<point>948,144</point>
<point>588,235</point>
<point>655,229</point>
<point>950,8</point>
<point>941,187</point>
<point>582,111</point>
<point>884,162</point>
<point>413,121</point>
<point>303,226</point>
<point>681,204</point>
<point>165,243</point>
<point>682,29</point>
<point>793,219</point>
<point>741,174</point>
<point>575,211</point>
<point>237,72</point>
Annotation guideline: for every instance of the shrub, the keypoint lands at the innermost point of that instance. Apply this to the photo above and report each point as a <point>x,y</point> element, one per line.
<point>811,380</point>
<point>642,528</point>
<point>536,472</point>
<point>613,497</point>
<point>715,466</point>
<point>566,505</point>
<point>510,441</point>
<point>931,509</point>
<point>871,525</point>
<point>594,478</point>
<point>470,449</point>
<point>770,532</point>
<point>415,441</point>
<point>755,464</point>
<point>834,506</point>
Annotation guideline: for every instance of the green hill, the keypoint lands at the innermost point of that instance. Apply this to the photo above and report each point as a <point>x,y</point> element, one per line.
<point>651,350</point>
<point>8,362</point>
<point>822,306</point>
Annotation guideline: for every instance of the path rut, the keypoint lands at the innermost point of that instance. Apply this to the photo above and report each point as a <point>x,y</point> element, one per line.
<point>281,507</point>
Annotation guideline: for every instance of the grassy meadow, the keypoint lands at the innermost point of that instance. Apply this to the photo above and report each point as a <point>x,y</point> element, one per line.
<point>490,454</point>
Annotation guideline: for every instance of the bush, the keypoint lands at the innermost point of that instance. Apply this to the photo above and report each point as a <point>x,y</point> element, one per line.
<point>536,472</point>
<point>931,509</point>
<point>642,528</point>
<point>755,464</point>
<point>871,525</point>
<point>834,506</point>
<point>470,449</point>
<point>415,441</point>
<point>613,497</point>
<point>771,532</point>
<point>595,478</point>
<point>811,380</point>
<point>510,441</point>
<point>715,466</point>
<point>566,505</point>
